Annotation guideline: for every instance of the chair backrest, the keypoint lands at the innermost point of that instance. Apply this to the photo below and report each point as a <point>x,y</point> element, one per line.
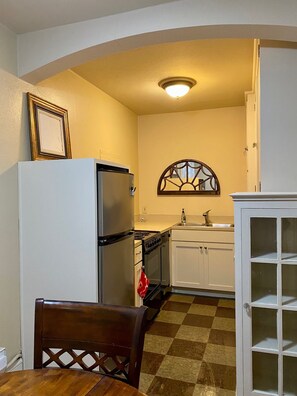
<point>91,336</point>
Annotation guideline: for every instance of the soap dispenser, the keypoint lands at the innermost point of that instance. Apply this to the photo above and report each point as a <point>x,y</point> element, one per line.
<point>183,218</point>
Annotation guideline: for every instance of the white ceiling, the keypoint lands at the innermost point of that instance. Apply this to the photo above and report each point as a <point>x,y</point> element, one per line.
<point>22,16</point>
<point>222,67</point>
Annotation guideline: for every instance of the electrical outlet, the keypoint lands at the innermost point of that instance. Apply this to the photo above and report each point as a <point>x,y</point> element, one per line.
<point>144,210</point>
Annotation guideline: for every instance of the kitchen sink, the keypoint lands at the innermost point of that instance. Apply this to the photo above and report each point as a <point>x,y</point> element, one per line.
<point>190,224</point>
<point>198,225</point>
<point>220,225</point>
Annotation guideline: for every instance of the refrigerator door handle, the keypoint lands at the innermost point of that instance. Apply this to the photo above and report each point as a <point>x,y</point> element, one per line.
<point>132,191</point>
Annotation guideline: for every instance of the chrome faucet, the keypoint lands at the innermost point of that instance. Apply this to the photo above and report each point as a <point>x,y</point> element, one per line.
<point>206,218</point>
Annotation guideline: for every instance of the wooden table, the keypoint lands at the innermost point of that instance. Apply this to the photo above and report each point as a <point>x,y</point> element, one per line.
<point>58,382</point>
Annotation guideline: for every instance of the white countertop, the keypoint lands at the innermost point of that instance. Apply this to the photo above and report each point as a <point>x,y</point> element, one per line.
<point>137,243</point>
<point>160,226</point>
<point>164,223</point>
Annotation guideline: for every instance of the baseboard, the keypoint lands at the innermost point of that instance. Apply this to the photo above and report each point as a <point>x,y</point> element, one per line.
<point>194,292</point>
<point>16,366</point>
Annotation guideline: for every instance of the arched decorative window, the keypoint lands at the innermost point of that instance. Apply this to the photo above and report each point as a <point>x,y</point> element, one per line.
<point>187,177</point>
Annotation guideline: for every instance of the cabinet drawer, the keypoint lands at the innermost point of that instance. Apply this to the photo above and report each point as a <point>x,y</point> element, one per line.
<point>203,236</point>
<point>137,254</point>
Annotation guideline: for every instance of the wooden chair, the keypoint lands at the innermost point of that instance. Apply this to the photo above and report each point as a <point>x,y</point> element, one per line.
<point>95,337</point>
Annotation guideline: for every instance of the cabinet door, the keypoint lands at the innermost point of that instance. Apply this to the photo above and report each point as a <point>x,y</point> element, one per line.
<point>258,307</point>
<point>187,264</point>
<point>219,266</point>
<point>137,272</point>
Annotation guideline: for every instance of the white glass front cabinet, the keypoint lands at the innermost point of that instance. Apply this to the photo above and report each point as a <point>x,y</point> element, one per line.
<point>266,293</point>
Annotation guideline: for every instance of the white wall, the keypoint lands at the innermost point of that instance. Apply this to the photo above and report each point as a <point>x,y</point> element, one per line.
<point>14,145</point>
<point>8,53</point>
<point>278,119</point>
<point>216,137</point>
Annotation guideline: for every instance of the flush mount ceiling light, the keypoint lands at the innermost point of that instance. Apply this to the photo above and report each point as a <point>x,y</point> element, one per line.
<point>177,86</point>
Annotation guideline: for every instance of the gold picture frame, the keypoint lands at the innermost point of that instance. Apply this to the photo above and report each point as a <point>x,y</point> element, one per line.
<point>49,130</point>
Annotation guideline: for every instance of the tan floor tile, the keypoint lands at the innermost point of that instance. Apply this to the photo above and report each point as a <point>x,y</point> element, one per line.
<point>220,354</point>
<point>181,298</point>
<point>201,390</point>
<point>171,317</point>
<point>191,333</point>
<point>145,382</point>
<point>200,309</point>
<point>227,324</point>
<point>179,369</point>
<point>226,303</point>
<point>157,344</point>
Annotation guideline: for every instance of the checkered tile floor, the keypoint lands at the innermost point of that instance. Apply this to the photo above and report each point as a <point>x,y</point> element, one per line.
<point>189,349</point>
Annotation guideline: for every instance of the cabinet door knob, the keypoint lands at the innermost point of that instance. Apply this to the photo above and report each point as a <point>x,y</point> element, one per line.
<point>247,307</point>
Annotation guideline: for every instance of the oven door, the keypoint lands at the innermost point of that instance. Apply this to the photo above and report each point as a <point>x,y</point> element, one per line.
<point>153,270</point>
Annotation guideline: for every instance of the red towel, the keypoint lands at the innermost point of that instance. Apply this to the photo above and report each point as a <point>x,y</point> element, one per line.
<point>143,285</point>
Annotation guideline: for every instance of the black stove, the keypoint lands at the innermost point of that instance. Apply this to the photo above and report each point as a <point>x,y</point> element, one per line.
<point>152,264</point>
<point>150,239</point>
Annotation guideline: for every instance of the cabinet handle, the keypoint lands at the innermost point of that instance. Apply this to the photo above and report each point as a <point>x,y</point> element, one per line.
<point>247,307</point>
<point>201,249</point>
<point>205,248</point>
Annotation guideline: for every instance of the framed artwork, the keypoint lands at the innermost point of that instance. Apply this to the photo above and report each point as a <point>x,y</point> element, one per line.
<point>49,130</point>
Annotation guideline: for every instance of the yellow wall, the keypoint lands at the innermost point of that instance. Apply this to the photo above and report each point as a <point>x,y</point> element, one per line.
<point>215,137</point>
<point>100,127</point>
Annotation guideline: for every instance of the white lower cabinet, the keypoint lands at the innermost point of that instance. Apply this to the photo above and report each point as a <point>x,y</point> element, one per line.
<point>187,264</point>
<point>219,266</point>
<point>266,293</point>
<point>199,261</point>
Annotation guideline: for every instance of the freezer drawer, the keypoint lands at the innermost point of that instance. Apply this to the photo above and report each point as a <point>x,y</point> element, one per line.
<point>116,272</point>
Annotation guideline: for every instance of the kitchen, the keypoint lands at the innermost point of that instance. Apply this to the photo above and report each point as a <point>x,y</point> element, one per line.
<point>231,123</point>
<point>98,145</point>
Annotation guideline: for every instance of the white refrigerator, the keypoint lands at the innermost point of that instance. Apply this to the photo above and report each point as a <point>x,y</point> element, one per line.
<point>76,236</point>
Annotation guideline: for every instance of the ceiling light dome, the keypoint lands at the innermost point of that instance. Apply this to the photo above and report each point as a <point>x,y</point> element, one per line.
<point>177,87</point>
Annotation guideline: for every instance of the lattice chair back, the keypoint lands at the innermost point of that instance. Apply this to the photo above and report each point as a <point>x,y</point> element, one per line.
<point>94,337</point>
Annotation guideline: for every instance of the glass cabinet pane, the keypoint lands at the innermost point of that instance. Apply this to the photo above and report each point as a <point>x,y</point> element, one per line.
<point>289,285</point>
<point>263,283</point>
<point>263,237</point>
<point>265,377</point>
<point>290,331</point>
<point>289,239</point>
<point>290,370</point>
<point>264,328</point>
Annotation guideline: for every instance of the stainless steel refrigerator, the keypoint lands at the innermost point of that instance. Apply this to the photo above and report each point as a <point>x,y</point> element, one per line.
<point>115,193</point>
